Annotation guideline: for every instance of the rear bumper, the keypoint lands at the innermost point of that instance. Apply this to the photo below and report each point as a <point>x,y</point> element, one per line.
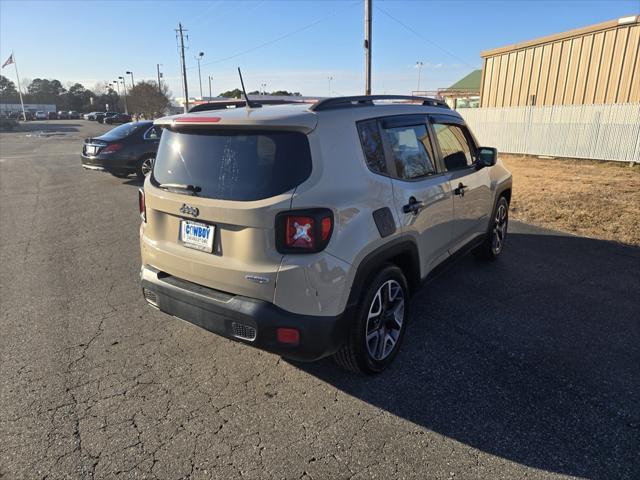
<point>244,319</point>
<point>113,164</point>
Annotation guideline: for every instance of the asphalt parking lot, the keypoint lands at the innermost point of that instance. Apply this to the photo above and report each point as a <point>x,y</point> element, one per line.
<point>524,368</point>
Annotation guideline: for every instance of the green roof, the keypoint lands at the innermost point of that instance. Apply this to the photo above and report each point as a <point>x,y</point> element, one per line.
<point>470,82</point>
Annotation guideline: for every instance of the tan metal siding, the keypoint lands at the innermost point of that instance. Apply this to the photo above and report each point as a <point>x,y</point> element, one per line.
<point>574,65</point>
<point>502,80</point>
<point>563,70</point>
<point>511,66</point>
<point>597,64</point>
<point>594,68</point>
<point>554,67</point>
<point>535,74</point>
<point>624,92</point>
<point>619,52</point>
<point>526,78</point>
<point>544,74</point>
<point>634,94</point>
<point>517,80</point>
<point>583,70</point>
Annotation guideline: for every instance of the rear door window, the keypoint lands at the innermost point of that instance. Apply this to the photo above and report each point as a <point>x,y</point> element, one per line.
<point>233,164</point>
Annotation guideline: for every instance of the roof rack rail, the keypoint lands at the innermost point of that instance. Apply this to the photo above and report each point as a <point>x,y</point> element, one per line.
<point>367,100</point>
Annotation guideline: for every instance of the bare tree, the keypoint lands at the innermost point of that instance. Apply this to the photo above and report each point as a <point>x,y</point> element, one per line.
<point>144,98</point>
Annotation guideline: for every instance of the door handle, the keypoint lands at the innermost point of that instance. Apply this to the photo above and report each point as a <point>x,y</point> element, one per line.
<point>414,206</point>
<point>460,189</point>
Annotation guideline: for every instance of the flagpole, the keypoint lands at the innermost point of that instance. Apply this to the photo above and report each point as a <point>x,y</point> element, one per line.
<point>15,64</point>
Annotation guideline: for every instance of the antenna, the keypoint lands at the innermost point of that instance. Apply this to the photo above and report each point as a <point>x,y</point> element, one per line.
<point>249,103</point>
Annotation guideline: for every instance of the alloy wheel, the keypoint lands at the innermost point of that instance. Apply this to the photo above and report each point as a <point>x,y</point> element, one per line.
<point>147,165</point>
<point>384,321</point>
<point>499,229</point>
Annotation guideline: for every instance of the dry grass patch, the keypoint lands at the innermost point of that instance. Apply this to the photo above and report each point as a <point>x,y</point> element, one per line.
<point>589,198</point>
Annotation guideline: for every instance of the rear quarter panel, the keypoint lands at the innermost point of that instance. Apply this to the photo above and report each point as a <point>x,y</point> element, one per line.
<point>342,182</point>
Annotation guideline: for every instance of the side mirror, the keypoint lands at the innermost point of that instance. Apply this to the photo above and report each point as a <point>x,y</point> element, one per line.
<point>487,156</point>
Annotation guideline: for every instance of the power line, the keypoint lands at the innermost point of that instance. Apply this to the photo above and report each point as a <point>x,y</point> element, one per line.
<point>282,37</point>
<point>423,37</point>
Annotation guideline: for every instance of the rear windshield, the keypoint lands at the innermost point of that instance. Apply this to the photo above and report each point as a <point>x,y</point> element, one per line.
<point>121,132</point>
<point>233,164</point>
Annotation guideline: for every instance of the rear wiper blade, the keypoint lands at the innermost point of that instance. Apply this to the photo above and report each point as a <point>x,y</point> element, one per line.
<point>181,186</point>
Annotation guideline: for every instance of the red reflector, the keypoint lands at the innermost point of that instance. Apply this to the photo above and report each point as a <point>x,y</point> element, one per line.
<point>326,228</point>
<point>197,119</point>
<point>142,205</point>
<point>299,232</point>
<point>288,335</point>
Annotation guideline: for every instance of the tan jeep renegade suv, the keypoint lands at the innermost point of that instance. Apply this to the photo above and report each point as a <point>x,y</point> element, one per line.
<point>303,230</point>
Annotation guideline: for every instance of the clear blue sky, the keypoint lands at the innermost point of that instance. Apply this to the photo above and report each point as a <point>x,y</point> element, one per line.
<point>292,45</point>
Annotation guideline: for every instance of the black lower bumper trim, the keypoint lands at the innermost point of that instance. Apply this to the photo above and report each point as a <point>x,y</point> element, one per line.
<point>217,311</point>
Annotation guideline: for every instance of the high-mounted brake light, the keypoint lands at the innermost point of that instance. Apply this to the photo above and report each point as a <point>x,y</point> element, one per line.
<point>142,205</point>
<point>114,147</point>
<point>303,231</point>
<point>197,119</point>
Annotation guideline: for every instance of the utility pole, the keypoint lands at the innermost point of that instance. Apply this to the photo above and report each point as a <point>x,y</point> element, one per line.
<point>159,76</point>
<point>185,87</point>
<point>367,47</point>
<point>210,78</point>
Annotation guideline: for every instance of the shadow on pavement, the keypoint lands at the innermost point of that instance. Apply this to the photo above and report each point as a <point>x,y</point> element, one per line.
<point>47,127</point>
<point>534,358</point>
<point>133,181</point>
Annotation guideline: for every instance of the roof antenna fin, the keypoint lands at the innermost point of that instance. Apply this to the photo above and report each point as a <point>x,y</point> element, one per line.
<point>249,103</point>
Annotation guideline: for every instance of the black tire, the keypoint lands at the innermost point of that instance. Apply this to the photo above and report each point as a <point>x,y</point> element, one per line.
<point>141,171</point>
<point>493,244</point>
<point>355,355</point>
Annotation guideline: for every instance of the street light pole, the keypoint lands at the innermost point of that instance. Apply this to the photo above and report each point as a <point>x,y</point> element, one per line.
<point>329,78</point>
<point>419,67</point>
<point>133,84</point>
<point>124,85</point>
<point>198,58</point>
<point>210,78</point>
<point>118,87</point>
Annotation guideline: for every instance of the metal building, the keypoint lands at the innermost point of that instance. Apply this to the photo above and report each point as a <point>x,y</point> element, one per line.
<point>591,65</point>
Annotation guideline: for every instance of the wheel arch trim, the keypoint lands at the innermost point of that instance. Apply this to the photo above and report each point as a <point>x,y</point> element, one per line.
<point>404,248</point>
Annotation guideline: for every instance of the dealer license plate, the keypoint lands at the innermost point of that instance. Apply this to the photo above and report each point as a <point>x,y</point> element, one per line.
<point>197,235</point>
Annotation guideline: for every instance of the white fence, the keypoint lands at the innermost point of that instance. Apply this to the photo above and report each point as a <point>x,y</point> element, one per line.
<point>599,132</point>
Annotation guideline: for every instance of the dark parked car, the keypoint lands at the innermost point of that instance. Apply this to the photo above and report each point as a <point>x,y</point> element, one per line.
<point>117,118</point>
<point>7,123</point>
<point>52,115</point>
<point>100,116</point>
<point>73,115</point>
<point>63,115</point>
<point>129,148</point>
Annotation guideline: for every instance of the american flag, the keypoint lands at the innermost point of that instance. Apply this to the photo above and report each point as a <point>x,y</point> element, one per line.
<point>9,61</point>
